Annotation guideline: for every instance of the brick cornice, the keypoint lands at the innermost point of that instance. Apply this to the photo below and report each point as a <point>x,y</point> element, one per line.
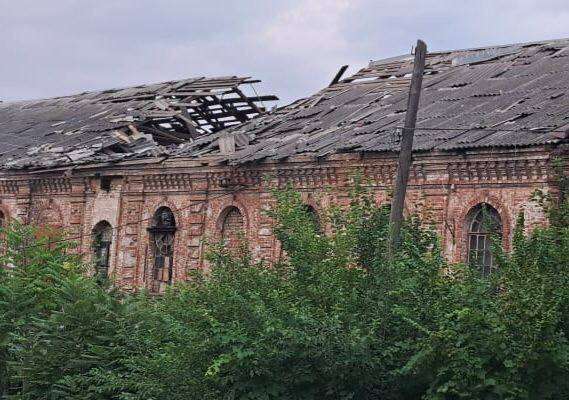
<point>504,167</point>
<point>513,170</point>
<point>54,185</point>
<point>167,182</point>
<point>8,186</point>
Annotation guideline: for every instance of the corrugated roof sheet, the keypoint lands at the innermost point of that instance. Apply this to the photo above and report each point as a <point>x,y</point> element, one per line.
<point>501,96</point>
<point>112,125</point>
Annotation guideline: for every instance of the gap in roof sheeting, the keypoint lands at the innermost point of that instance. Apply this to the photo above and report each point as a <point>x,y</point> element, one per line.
<point>111,125</point>
<point>462,106</point>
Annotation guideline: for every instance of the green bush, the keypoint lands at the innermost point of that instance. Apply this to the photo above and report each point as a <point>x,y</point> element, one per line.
<point>334,319</point>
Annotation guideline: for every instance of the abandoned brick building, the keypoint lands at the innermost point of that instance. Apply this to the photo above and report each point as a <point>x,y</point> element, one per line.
<point>142,176</point>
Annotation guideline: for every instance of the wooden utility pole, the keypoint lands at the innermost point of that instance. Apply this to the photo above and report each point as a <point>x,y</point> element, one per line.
<point>396,217</point>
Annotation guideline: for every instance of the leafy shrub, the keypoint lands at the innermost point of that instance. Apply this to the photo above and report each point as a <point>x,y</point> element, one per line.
<point>334,319</point>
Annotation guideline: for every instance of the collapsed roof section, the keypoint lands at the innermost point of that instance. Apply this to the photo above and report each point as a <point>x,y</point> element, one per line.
<point>503,96</point>
<point>113,125</point>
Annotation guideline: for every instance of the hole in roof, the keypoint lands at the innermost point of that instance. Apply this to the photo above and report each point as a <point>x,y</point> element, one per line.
<point>115,148</point>
<point>366,79</point>
<point>549,51</point>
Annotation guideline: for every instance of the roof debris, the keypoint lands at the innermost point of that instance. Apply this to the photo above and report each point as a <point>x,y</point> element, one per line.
<point>112,125</point>
<point>501,96</point>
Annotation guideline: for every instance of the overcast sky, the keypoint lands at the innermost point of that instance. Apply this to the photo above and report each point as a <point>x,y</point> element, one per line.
<point>58,47</point>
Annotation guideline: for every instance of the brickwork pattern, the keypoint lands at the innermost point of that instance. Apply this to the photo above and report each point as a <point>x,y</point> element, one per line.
<point>215,202</point>
<point>232,229</point>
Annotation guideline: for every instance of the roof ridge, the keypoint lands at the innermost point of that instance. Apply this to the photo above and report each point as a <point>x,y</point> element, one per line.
<point>450,51</point>
<point>126,87</point>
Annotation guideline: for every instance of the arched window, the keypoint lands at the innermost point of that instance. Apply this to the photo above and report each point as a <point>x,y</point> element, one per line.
<point>483,223</point>
<point>232,227</point>
<point>313,214</point>
<point>102,236</point>
<point>162,234</point>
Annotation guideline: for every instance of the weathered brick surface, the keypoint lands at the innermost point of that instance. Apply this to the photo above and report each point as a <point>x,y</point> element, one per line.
<point>442,190</point>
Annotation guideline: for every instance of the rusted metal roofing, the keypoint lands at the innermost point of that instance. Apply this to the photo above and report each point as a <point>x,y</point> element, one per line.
<point>502,96</point>
<point>113,125</point>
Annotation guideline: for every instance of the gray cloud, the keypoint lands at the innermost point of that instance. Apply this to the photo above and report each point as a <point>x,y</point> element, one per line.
<point>294,46</point>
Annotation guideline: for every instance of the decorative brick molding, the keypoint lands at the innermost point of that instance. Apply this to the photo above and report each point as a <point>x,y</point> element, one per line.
<point>442,190</point>
<point>308,177</point>
<point>498,170</point>
<point>167,182</point>
<point>50,185</point>
<point>8,186</point>
<point>232,178</point>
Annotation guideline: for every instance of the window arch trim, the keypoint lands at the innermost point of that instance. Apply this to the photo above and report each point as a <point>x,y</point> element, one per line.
<point>162,237</point>
<point>457,232</point>
<point>102,238</point>
<point>163,220</point>
<point>481,223</point>
<point>228,230</point>
<point>225,209</point>
<point>314,215</point>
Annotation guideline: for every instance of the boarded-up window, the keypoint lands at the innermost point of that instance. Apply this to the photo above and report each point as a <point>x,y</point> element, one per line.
<point>162,243</point>
<point>484,222</point>
<point>232,227</point>
<point>102,237</point>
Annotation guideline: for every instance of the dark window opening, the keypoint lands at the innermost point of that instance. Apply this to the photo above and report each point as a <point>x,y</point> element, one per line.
<point>313,215</point>
<point>106,183</point>
<point>116,148</point>
<point>162,241</point>
<point>102,237</point>
<point>484,223</point>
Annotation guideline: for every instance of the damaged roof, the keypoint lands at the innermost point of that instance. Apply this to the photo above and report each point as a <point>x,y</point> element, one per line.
<point>493,97</point>
<point>117,124</point>
<point>501,96</point>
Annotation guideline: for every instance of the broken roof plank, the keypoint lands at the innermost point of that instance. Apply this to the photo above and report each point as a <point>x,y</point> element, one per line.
<point>162,110</point>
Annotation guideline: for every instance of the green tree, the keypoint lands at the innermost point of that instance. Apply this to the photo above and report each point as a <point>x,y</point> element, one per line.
<point>333,319</point>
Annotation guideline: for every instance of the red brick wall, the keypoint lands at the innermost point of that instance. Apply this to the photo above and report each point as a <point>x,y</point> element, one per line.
<point>232,227</point>
<point>442,190</point>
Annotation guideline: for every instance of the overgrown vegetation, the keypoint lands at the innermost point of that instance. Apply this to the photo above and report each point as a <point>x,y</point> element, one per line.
<point>333,320</point>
